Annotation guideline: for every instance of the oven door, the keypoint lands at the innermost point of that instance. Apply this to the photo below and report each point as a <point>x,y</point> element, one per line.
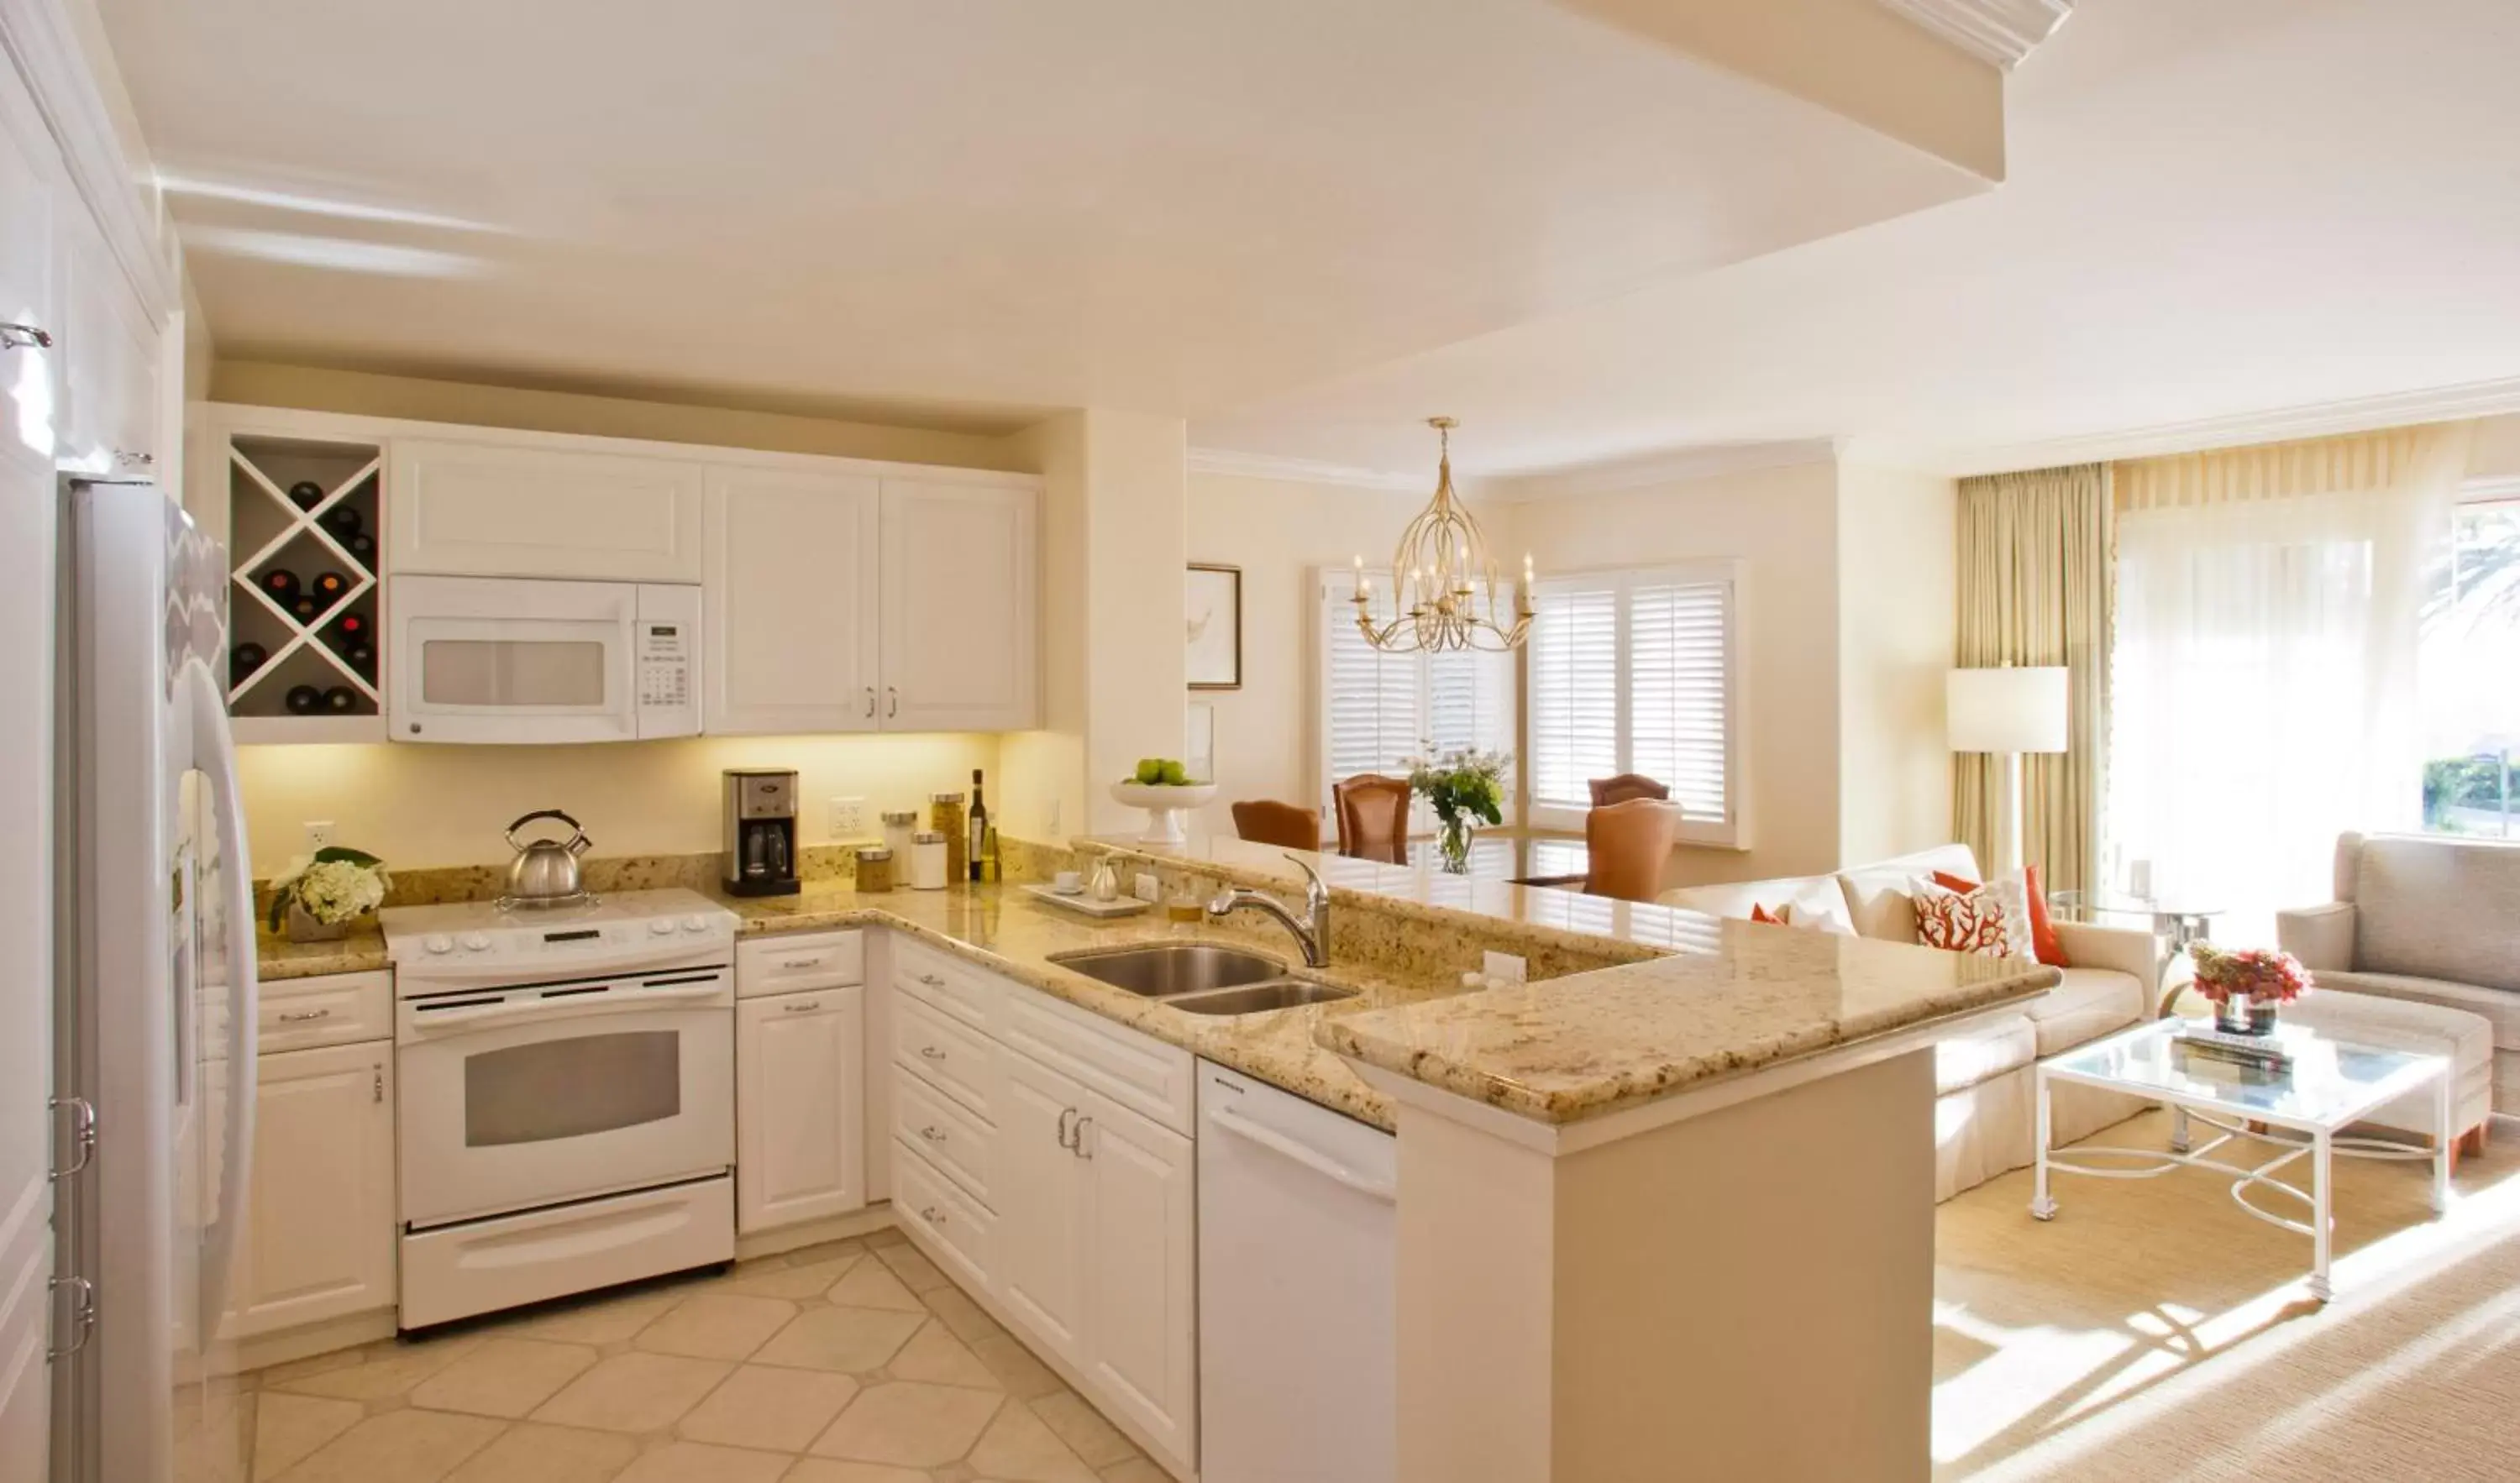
<point>515,1098</point>
<point>508,659</point>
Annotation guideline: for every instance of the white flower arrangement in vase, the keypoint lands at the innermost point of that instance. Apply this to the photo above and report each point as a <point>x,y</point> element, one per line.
<point>331,889</point>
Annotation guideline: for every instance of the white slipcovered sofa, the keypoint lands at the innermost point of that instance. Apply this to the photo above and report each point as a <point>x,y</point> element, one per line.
<point>1984,1116</point>
<point>2427,918</point>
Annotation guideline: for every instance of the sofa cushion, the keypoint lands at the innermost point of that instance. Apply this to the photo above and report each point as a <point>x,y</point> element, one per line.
<point>2408,1024</point>
<point>2443,908</point>
<point>2501,1009</point>
<point>1964,1061</point>
<point>2086,1004</point>
<point>1815,900</point>
<point>1879,897</point>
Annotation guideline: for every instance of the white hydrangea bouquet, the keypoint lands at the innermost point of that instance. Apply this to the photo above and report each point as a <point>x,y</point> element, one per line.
<point>327,892</point>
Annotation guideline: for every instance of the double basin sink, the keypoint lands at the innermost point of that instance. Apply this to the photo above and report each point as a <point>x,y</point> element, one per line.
<point>1200,978</point>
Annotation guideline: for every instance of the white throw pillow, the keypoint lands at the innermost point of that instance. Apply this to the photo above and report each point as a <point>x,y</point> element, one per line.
<point>1993,920</point>
<point>1818,905</point>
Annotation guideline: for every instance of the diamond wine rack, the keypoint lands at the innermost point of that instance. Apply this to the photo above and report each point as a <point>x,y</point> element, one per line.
<point>305,530</point>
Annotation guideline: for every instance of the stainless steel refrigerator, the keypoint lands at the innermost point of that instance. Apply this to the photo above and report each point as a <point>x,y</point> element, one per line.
<point>155,1015</point>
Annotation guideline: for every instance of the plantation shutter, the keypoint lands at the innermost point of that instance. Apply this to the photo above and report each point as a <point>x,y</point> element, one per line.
<point>1371,716</point>
<point>1574,679</point>
<point>1678,646</point>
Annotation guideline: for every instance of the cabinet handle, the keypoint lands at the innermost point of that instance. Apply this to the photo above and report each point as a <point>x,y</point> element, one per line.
<point>932,1135</point>
<point>129,460</point>
<point>1078,1147</point>
<point>802,963</point>
<point>892,701</point>
<point>869,700</point>
<point>379,1084</point>
<point>82,1132</point>
<point>82,1323</point>
<point>1064,1113</point>
<point>807,1006</point>
<point>303,1016</point>
<point>931,980</point>
<point>932,1216</point>
<point>930,1052</point>
<point>18,337</point>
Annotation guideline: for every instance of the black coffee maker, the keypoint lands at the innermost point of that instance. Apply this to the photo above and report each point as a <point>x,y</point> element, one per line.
<point>760,832</point>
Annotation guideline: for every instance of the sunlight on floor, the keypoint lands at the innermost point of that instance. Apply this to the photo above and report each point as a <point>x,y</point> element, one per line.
<point>2059,1347</point>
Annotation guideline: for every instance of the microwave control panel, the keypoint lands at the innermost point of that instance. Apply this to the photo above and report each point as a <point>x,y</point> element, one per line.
<point>667,660</point>
<point>665,666</point>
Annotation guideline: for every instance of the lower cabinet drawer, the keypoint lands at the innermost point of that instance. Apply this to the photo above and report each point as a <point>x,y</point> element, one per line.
<point>960,1145</point>
<point>947,1223</point>
<point>335,1009</point>
<point>951,1057</point>
<point>789,965</point>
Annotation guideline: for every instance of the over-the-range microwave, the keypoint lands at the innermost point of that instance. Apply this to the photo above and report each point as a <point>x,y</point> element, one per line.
<point>509,659</point>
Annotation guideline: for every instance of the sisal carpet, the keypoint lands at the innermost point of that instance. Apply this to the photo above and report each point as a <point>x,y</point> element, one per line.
<point>2154,1333</point>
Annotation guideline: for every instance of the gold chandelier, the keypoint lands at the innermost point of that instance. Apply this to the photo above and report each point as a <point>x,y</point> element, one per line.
<point>1444,579</point>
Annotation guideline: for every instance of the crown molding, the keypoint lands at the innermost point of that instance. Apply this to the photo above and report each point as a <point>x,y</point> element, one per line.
<point>1680,466</point>
<point>2368,413</point>
<point>2490,488</point>
<point>42,39</point>
<point>2001,32</point>
<point>1237,464</point>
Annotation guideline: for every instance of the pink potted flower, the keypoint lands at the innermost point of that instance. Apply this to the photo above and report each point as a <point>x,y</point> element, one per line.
<point>2247,986</point>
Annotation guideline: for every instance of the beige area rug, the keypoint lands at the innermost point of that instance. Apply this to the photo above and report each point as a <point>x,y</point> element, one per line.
<point>2153,1332</point>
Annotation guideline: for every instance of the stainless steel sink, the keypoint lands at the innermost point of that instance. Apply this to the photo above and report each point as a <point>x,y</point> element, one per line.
<point>1252,999</point>
<point>1199,977</point>
<point>1164,969</point>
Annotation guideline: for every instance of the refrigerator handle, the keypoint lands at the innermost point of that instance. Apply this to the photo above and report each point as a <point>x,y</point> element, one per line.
<point>214,754</point>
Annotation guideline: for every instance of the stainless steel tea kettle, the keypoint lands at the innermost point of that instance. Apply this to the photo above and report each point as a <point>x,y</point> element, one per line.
<point>545,871</point>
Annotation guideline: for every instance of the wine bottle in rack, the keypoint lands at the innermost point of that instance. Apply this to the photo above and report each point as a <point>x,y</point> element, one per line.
<point>330,586</point>
<point>352,627</point>
<point>243,660</point>
<point>305,701</point>
<point>343,521</point>
<point>362,548</point>
<point>361,656</point>
<point>306,494</point>
<point>305,608</point>
<point>280,584</point>
<point>341,701</point>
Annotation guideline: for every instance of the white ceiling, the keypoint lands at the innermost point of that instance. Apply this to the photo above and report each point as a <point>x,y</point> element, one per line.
<point>957,212</point>
<point>2215,207</point>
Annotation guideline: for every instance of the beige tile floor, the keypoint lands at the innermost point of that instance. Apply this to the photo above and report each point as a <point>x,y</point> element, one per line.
<point>853,1362</point>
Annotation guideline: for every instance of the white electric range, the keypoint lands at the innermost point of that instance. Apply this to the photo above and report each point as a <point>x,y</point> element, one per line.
<point>567,1112</point>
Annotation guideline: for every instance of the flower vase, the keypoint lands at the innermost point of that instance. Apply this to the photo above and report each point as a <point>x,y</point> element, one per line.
<point>2240,1014</point>
<point>303,927</point>
<point>1453,844</point>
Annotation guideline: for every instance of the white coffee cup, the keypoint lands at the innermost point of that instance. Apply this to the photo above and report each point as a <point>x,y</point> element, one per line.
<point>1067,882</point>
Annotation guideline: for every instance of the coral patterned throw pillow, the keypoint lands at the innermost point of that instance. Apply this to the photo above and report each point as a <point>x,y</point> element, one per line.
<point>1963,921</point>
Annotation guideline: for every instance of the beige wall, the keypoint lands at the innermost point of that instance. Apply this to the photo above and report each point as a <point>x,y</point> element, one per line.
<point>256,384</point>
<point>1278,531</point>
<point>1897,601</point>
<point>1782,524</point>
<point>421,805</point>
<point>1045,769</point>
<point>2496,454</point>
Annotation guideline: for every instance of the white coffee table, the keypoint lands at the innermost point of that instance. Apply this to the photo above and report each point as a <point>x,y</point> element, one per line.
<point>2332,1085</point>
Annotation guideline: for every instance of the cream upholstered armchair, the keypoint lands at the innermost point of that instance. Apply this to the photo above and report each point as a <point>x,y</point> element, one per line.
<point>2425,917</point>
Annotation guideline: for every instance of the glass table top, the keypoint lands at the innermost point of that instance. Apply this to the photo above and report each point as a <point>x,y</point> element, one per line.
<point>2331,1082</point>
<point>2119,902</point>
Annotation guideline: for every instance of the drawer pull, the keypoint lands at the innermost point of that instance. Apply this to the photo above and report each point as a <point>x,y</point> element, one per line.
<point>932,1216</point>
<point>932,1135</point>
<point>1078,1147</point>
<point>802,963</point>
<point>931,980</point>
<point>380,1072</point>
<point>305,1015</point>
<point>930,1052</point>
<point>807,1006</point>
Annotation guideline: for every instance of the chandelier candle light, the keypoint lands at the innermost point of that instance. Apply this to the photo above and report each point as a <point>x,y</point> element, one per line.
<point>1444,579</point>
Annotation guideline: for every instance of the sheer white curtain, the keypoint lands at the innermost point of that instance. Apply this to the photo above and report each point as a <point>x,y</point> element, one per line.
<point>2264,674</point>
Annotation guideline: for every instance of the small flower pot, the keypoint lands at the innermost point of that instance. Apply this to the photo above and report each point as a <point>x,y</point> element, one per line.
<point>304,927</point>
<point>2240,1014</point>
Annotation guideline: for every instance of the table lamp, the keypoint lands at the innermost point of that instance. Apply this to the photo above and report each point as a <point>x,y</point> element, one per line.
<point>2006,711</point>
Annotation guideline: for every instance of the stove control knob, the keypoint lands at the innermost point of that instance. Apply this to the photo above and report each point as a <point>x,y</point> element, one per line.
<point>694,925</point>
<point>474,942</point>
<point>439,943</point>
<point>660,927</point>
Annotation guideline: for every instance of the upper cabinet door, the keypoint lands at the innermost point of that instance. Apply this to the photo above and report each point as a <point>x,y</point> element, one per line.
<point>109,346</point>
<point>487,510</point>
<point>791,601</point>
<point>961,629</point>
<point>28,167</point>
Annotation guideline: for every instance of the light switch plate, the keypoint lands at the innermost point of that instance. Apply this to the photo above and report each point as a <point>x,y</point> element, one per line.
<point>847,818</point>
<point>1505,967</point>
<point>1146,887</point>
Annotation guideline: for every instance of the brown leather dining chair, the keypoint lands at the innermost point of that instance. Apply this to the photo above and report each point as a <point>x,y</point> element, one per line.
<point>1283,825</point>
<point>1626,847</point>
<point>1372,817</point>
<point>1624,787</point>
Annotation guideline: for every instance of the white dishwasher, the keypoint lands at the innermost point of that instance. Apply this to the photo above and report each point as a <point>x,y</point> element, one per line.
<point>1296,1344</point>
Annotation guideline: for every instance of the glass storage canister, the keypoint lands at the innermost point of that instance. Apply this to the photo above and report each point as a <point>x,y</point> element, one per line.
<point>875,868</point>
<point>946,817</point>
<point>928,861</point>
<point>899,825</point>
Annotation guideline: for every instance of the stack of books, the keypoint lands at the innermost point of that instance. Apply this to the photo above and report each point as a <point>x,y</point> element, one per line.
<point>2253,1053</point>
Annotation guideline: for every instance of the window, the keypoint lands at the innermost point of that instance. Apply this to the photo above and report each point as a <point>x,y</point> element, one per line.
<point>1379,709</point>
<point>2471,651</point>
<point>1637,672</point>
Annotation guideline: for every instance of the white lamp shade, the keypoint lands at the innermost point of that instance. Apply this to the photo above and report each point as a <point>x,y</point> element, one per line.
<point>2020,709</point>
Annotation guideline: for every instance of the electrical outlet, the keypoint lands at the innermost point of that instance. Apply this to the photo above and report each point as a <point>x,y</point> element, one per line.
<point>1505,968</point>
<point>319,834</point>
<point>847,818</point>
<point>1145,889</point>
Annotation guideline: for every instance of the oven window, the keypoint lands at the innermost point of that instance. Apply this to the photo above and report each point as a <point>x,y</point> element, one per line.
<point>557,1089</point>
<point>511,672</point>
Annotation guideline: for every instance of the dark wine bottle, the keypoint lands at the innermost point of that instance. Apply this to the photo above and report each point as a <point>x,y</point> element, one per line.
<point>340,699</point>
<point>351,627</point>
<point>362,548</point>
<point>245,659</point>
<point>361,656</point>
<point>281,583</point>
<point>306,608</point>
<point>343,521</point>
<point>330,585</point>
<point>305,701</point>
<point>306,494</point>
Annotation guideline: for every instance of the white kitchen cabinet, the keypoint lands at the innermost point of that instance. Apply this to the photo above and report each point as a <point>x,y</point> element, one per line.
<point>800,1108</point>
<point>109,418</point>
<point>960,626</point>
<point>501,510</point>
<point>320,1237</point>
<point>789,608</point>
<point>1042,1193</point>
<point>30,169</point>
<point>1141,1278</point>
